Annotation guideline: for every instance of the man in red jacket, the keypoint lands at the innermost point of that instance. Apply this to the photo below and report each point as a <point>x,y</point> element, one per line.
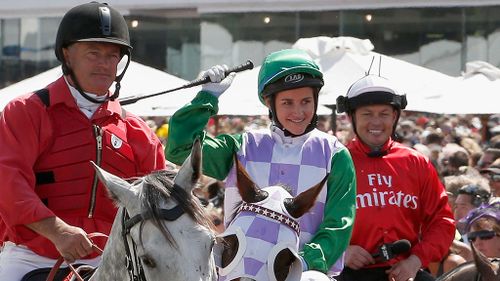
<point>51,197</point>
<point>399,196</point>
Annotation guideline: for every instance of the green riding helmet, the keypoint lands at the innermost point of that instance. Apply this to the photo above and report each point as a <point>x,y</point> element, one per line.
<point>288,69</point>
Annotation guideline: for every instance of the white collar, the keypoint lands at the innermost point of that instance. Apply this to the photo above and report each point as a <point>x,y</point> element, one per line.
<point>87,107</point>
<point>280,137</point>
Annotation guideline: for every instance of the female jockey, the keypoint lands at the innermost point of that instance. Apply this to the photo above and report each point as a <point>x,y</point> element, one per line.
<point>291,152</point>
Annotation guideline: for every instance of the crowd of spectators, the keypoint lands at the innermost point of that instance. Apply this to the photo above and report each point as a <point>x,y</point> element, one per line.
<point>464,149</point>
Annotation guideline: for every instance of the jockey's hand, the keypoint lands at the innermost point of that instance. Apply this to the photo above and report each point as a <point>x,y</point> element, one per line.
<point>405,270</point>
<point>357,257</point>
<point>219,82</point>
<point>70,241</point>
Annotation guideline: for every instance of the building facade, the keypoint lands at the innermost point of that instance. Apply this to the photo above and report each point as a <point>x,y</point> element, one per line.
<point>184,37</point>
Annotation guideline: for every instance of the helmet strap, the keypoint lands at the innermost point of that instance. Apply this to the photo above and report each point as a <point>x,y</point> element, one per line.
<point>119,78</point>
<point>82,93</point>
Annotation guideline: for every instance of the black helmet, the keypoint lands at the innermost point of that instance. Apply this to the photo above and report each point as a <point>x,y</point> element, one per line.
<point>92,22</point>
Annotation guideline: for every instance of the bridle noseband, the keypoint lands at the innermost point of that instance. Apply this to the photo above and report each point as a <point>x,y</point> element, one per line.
<point>132,261</point>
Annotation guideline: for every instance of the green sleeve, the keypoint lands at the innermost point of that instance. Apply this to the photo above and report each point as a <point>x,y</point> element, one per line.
<point>187,124</point>
<point>334,233</point>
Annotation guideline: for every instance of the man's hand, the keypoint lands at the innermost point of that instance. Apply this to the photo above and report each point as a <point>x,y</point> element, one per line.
<point>71,242</point>
<point>357,257</point>
<point>219,82</point>
<point>405,270</point>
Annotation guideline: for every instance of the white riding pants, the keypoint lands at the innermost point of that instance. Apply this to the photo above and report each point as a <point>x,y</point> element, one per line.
<point>17,260</point>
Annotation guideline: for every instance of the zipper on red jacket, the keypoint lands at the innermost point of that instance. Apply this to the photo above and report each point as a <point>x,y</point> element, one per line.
<point>98,138</point>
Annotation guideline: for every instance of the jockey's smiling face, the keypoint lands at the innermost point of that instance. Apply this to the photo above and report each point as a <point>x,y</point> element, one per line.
<point>94,65</point>
<point>295,109</point>
<point>374,123</point>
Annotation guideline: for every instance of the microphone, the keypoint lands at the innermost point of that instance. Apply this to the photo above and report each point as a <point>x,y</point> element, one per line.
<point>390,250</point>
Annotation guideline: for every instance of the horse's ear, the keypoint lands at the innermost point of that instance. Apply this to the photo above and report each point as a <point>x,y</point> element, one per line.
<point>118,189</point>
<point>484,265</point>
<point>299,205</point>
<point>190,171</point>
<point>249,191</point>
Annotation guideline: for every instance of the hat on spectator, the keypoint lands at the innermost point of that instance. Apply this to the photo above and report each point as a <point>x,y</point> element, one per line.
<point>492,210</point>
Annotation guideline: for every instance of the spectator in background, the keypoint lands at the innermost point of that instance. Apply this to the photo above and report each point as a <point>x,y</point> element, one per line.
<point>489,156</point>
<point>162,133</point>
<point>433,138</point>
<point>474,150</point>
<point>495,140</point>
<point>483,229</point>
<point>492,173</point>
<point>469,197</point>
<point>452,159</point>
<point>451,260</point>
<point>455,182</point>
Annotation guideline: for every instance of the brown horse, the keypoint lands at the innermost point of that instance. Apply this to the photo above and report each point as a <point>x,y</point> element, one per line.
<point>480,269</point>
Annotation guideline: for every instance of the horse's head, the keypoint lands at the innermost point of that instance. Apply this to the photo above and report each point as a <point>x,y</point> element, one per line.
<point>261,242</point>
<point>161,227</point>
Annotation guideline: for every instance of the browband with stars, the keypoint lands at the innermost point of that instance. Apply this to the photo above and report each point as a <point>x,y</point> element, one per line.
<point>292,223</point>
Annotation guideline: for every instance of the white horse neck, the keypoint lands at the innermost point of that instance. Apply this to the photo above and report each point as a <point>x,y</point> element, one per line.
<point>112,266</point>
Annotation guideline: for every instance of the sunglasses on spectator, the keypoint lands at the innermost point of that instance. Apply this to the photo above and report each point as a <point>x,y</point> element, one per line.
<point>481,234</point>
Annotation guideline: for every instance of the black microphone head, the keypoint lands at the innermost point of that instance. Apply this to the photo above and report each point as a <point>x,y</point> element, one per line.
<point>400,246</point>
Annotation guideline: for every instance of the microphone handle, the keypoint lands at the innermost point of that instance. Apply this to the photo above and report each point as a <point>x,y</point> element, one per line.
<point>384,253</point>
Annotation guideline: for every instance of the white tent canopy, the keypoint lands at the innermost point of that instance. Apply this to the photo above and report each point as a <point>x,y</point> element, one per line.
<point>139,79</point>
<point>143,80</point>
<point>477,91</point>
<point>344,60</point>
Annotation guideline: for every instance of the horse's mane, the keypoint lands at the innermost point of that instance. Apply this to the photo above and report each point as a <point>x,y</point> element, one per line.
<point>158,187</point>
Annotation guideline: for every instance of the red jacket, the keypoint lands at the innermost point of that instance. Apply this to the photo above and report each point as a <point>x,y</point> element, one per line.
<point>45,163</point>
<point>399,196</point>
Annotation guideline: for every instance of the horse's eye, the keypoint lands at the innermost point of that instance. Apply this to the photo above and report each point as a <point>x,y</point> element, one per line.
<point>148,261</point>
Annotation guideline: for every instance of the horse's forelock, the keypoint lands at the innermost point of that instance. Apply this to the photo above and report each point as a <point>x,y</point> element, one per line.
<point>159,186</point>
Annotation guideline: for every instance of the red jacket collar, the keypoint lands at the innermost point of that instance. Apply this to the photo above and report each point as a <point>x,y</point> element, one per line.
<point>367,149</point>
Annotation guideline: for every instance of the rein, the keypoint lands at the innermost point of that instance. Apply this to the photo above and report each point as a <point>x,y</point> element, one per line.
<point>132,261</point>
<point>60,261</point>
